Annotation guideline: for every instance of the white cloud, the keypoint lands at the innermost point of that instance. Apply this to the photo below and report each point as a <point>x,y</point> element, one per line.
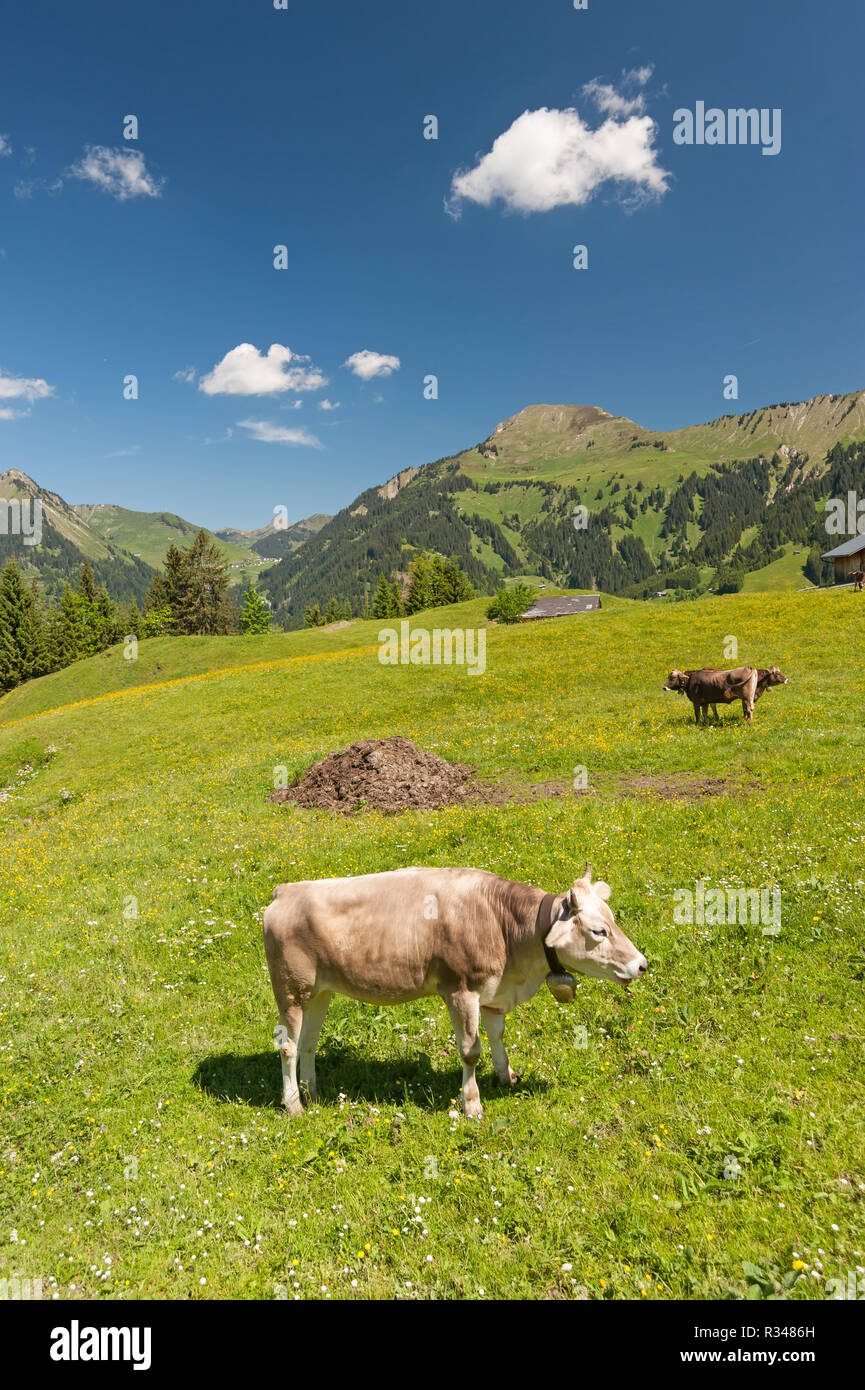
<point>184,374</point>
<point>5,145</point>
<point>122,173</point>
<point>368,364</point>
<point>244,371</point>
<point>549,159</point>
<point>618,103</point>
<point>124,453</point>
<point>30,388</point>
<point>8,414</point>
<point>329,405</point>
<point>268,433</point>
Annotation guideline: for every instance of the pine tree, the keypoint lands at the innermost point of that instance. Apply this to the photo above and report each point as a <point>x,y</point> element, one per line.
<point>157,594</point>
<point>197,579</point>
<point>87,608</point>
<point>346,610</point>
<point>12,605</point>
<point>312,616</point>
<point>72,632</point>
<point>396,600</point>
<point>256,614</point>
<point>24,647</point>
<point>132,622</point>
<point>104,621</point>
<point>420,588</point>
<point>383,604</point>
<point>331,613</point>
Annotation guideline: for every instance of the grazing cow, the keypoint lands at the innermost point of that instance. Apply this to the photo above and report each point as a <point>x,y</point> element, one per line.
<point>858,577</point>
<point>766,679</point>
<point>484,943</point>
<point>711,687</point>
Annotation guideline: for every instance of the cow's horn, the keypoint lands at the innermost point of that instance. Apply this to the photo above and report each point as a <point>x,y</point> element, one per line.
<point>588,873</point>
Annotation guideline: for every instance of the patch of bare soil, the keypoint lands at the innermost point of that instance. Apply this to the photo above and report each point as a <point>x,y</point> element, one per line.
<point>680,786</point>
<point>393,774</point>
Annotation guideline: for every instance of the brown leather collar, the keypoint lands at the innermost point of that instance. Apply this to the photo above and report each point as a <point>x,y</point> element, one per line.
<point>542,925</point>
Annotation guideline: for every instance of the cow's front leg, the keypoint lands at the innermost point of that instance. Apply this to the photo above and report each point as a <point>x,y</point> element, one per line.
<point>494,1027</point>
<point>464,1009</point>
<point>291,1020</point>
<point>313,1018</point>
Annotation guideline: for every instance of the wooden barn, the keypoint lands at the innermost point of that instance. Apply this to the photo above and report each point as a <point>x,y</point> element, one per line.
<point>562,607</point>
<point>848,558</point>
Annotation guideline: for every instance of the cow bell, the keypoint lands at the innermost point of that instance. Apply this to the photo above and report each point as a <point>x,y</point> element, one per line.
<point>562,987</point>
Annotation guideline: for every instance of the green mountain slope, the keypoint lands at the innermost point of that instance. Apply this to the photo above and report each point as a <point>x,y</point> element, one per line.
<point>663,509</point>
<point>67,538</point>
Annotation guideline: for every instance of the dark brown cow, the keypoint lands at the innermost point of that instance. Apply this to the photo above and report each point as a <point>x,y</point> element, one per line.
<point>858,578</point>
<point>711,687</point>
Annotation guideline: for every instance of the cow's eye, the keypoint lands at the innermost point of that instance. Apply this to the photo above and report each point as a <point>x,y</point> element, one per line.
<point>599,931</point>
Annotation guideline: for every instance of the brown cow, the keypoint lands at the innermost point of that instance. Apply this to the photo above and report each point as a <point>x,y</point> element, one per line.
<point>711,687</point>
<point>481,942</point>
<point>767,678</point>
<point>858,578</point>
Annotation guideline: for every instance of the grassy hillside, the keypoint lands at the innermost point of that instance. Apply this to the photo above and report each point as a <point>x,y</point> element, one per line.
<point>709,1117</point>
<point>727,495</point>
<point>162,659</point>
<point>66,540</point>
<point>149,534</point>
<point>583,444</point>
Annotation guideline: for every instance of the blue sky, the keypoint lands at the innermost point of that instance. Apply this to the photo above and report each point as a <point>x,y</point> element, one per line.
<point>304,127</point>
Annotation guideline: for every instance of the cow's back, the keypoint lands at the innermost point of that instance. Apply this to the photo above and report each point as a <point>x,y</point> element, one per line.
<point>386,937</point>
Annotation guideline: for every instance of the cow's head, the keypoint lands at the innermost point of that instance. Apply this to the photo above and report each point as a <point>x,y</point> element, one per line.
<point>586,939</point>
<point>775,677</point>
<point>676,680</point>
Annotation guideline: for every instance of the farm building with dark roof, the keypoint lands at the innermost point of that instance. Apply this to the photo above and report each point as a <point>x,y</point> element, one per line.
<point>562,606</point>
<point>848,558</point>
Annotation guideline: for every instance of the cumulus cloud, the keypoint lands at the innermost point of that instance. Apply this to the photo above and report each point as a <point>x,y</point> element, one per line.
<point>7,413</point>
<point>244,371</point>
<point>5,145</point>
<point>627,100</point>
<point>368,364</point>
<point>268,433</point>
<point>122,173</point>
<point>184,374</point>
<point>550,158</point>
<point>27,388</point>
<point>328,405</point>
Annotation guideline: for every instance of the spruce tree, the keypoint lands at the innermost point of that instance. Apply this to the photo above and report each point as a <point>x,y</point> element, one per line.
<point>420,588</point>
<point>87,608</point>
<point>256,614</point>
<point>383,604</point>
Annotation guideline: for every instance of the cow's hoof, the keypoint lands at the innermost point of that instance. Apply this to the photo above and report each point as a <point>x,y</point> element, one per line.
<point>474,1112</point>
<point>509,1079</point>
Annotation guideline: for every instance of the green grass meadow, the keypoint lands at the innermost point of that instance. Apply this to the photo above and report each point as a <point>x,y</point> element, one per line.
<point>700,1136</point>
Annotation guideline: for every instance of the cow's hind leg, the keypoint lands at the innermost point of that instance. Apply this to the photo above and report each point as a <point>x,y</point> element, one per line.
<point>313,1017</point>
<point>464,1009</point>
<point>291,1019</point>
<point>494,1027</point>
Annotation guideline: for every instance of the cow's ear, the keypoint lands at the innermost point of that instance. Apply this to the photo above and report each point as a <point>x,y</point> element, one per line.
<point>603,890</point>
